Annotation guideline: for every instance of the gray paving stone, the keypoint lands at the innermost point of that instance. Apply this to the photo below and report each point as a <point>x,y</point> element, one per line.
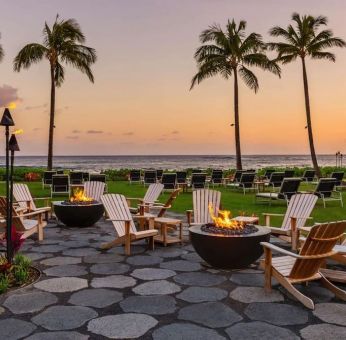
<point>277,314</point>
<point>331,313</point>
<point>188,247</point>
<point>122,326</point>
<point>113,281</point>
<point>53,248</point>
<point>323,331</point>
<point>152,274</point>
<point>37,256</point>
<point>2,310</point>
<point>255,294</point>
<point>248,279</point>
<point>314,291</point>
<point>144,260</point>
<point>135,249</point>
<point>199,279</point>
<point>259,330</point>
<point>167,252</point>
<point>75,243</point>
<point>70,335</point>
<point>61,260</point>
<point>153,305</point>
<point>202,294</point>
<point>193,257</point>
<point>185,331</point>
<point>109,268</point>
<point>29,302</point>
<point>64,317</point>
<point>66,270</point>
<point>80,252</point>
<point>210,314</point>
<point>96,297</point>
<point>159,287</point>
<point>13,329</point>
<point>62,284</point>
<point>103,258</point>
<point>181,265</point>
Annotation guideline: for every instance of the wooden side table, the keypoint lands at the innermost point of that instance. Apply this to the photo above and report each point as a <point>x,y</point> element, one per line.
<point>164,223</point>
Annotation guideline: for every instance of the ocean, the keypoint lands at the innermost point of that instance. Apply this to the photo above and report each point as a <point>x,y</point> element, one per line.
<point>170,162</point>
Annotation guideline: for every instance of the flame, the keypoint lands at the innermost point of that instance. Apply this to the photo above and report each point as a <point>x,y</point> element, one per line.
<point>78,196</point>
<point>224,220</point>
<point>12,105</point>
<point>18,132</point>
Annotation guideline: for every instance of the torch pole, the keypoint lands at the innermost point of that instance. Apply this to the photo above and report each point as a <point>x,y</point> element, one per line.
<point>8,203</point>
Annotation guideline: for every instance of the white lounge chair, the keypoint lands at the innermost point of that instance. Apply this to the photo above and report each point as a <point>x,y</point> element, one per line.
<point>119,214</point>
<point>298,211</point>
<point>201,200</point>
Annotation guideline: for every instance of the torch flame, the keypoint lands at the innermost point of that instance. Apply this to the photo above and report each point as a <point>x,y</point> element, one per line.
<point>18,132</point>
<point>224,220</point>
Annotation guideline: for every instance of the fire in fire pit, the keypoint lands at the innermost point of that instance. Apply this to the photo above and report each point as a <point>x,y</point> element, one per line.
<point>228,243</point>
<point>225,225</point>
<point>79,198</point>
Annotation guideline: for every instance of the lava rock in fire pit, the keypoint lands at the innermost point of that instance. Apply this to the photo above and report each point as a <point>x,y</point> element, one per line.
<point>212,228</point>
<point>67,202</point>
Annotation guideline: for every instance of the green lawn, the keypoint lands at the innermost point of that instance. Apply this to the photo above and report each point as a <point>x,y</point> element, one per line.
<point>231,200</point>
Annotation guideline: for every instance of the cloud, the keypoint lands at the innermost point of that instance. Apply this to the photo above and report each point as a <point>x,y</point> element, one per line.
<point>175,132</point>
<point>35,107</point>
<point>72,137</point>
<point>8,95</point>
<point>130,133</point>
<point>94,131</point>
<point>76,131</point>
<point>36,129</point>
<point>161,139</point>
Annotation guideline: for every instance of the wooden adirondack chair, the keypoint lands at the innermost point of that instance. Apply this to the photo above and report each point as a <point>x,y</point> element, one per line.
<point>304,267</point>
<point>22,223</point>
<point>26,202</point>
<point>150,197</point>
<point>119,214</point>
<point>201,199</point>
<point>94,189</point>
<point>298,211</point>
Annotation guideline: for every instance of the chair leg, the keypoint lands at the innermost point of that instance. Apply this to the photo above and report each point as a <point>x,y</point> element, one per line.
<point>340,293</point>
<point>268,270</point>
<point>40,232</point>
<point>109,245</point>
<point>151,243</point>
<point>127,245</point>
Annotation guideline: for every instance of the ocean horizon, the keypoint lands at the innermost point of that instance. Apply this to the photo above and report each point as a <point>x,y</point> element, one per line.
<point>169,162</point>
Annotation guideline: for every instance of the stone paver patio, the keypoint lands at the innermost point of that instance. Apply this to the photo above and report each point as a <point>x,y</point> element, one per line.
<point>167,294</point>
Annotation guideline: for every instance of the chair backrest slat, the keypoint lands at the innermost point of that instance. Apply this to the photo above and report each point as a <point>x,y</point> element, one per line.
<point>320,241</point>
<point>201,200</point>
<point>153,192</point>
<point>22,195</point>
<point>94,189</point>
<point>300,206</point>
<point>117,209</point>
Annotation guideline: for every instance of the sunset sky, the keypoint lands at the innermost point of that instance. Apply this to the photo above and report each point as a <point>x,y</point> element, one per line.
<point>141,103</point>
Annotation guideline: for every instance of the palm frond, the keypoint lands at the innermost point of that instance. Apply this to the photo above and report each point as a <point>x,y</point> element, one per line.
<point>249,78</point>
<point>28,55</point>
<point>323,55</point>
<point>59,74</point>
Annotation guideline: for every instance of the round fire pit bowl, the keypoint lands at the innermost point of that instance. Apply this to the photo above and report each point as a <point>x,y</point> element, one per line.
<point>228,251</point>
<point>78,215</point>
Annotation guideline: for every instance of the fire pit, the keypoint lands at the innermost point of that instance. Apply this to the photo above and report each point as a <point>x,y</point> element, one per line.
<point>79,211</point>
<point>227,243</point>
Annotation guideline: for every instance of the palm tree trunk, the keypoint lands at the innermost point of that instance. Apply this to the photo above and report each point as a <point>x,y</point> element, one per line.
<point>236,122</point>
<point>308,121</point>
<point>51,120</point>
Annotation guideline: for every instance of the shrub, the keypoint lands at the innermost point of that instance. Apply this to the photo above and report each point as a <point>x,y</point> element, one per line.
<point>4,283</point>
<point>22,261</point>
<point>20,274</point>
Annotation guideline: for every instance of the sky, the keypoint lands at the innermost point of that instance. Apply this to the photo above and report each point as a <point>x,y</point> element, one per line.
<point>140,102</point>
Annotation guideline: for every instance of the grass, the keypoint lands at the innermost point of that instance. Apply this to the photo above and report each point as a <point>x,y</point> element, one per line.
<point>231,200</point>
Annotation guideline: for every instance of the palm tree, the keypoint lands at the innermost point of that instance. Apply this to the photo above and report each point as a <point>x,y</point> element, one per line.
<point>1,51</point>
<point>232,52</point>
<point>62,44</point>
<point>305,40</point>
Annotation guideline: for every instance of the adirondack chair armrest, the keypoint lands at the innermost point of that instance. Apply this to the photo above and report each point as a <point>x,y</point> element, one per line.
<point>41,198</point>
<point>117,220</point>
<point>159,207</point>
<point>33,213</point>
<point>267,217</point>
<point>302,217</point>
<point>280,250</point>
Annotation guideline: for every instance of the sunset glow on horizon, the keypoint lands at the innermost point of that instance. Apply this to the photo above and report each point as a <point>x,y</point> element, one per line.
<point>140,102</point>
